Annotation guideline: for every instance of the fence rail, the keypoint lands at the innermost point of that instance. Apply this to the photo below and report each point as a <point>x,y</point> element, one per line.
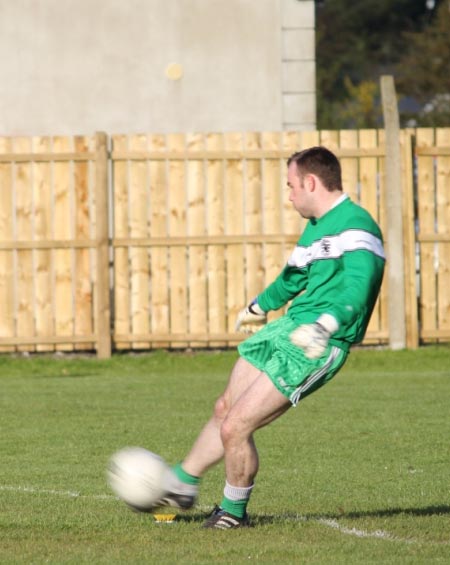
<point>188,228</point>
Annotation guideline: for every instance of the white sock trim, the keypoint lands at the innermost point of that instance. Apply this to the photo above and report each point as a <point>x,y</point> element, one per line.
<point>237,493</point>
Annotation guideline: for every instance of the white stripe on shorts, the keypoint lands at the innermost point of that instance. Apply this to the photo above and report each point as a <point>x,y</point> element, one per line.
<point>308,383</point>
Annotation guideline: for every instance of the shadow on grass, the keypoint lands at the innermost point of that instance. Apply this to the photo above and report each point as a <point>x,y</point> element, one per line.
<point>195,518</point>
<point>268,519</point>
<point>438,510</point>
<point>426,511</point>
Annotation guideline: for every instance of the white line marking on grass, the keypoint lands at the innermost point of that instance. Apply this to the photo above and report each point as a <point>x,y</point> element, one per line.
<point>334,524</point>
<point>380,534</point>
<point>328,522</point>
<point>66,493</point>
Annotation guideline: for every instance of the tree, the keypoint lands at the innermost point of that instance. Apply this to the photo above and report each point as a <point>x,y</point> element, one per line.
<point>424,71</point>
<point>356,42</point>
<point>362,108</point>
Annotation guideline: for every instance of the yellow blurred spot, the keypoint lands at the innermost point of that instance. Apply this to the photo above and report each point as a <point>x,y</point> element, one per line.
<point>167,518</point>
<point>174,71</point>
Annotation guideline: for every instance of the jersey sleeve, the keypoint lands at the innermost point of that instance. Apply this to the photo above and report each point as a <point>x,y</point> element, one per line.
<point>289,283</point>
<point>363,273</point>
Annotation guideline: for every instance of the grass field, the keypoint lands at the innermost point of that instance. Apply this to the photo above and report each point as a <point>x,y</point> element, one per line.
<point>357,473</point>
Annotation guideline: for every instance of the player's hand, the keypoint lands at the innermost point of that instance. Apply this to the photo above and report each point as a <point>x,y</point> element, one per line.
<point>251,315</point>
<point>313,338</point>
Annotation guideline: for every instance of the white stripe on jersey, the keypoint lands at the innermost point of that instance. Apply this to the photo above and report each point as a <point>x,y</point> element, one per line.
<point>334,246</point>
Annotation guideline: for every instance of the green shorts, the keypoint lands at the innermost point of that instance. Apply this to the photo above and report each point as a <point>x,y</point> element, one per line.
<point>294,375</point>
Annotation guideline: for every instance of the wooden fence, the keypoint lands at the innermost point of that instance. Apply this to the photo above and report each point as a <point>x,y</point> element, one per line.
<point>433,232</point>
<point>188,229</point>
<point>54,244</point>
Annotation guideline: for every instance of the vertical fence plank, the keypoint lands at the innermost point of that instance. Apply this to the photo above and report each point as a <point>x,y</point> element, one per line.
<point>443,228</point>
<point>102,236</point>
<point>24,227</point>
<point>121,267</point>
<point>254,263</point>
<point>195,192</point>
<point>235,225</point>
<point>42,198</point>
<point>139,256</point>
<point>368,171</point>
<point>7,297</point>
<point>63,230</point>
<point>159,279</point>
<point>215,198</point>
<point>308,139</point>
<point>382,220</point>
<point>83,221</point>
<point>272,210</point>
<point>369,199</point>
<point>177,227</point>
<point>381,182</point>
<point>427,215</point>
<point>409,243</point>
<point>330,139</point>
<point>350,165</point>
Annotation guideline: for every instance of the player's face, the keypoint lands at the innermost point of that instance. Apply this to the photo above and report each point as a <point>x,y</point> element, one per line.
<point>299,194</point>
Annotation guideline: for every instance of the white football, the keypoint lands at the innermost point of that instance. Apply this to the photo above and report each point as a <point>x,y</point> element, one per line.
<point>137,477</point>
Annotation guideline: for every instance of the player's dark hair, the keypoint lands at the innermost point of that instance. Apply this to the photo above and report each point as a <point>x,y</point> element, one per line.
<point>321,162</point>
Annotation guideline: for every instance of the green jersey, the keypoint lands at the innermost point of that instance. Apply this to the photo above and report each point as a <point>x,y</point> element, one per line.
<point>336,268</point>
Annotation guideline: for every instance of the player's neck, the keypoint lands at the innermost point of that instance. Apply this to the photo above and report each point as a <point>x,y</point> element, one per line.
<point>329,201</point>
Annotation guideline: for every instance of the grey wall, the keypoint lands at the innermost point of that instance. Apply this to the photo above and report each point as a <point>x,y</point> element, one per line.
<point>127,66</point>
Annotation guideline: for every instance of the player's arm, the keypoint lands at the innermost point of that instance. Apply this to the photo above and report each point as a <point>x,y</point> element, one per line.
<point>289,283</point>
<point>286,286</point>
<point>363,275</point>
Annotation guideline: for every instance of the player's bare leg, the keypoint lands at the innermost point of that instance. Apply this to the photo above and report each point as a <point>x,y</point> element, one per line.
<point>208,448</point>
<point>260,404</point>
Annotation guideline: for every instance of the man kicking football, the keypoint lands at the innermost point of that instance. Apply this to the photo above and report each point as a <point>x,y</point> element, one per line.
<point>332,280</point>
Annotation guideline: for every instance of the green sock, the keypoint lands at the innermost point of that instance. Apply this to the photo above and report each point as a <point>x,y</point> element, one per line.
<point>235,507</point>
<point>185,477</point>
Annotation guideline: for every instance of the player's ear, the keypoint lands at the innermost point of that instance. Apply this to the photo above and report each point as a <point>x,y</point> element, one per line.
<point>310,182</point>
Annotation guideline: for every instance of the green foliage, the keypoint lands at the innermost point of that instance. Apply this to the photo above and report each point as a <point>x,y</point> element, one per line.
<point>362,108</point>
<point>357,42</point>
<point>424,71</point>
<point>358,473</point>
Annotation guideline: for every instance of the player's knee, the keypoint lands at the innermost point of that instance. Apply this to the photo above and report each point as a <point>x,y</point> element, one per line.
<point>226,432</point>
<point>221,408</point>
<point>231,431</point>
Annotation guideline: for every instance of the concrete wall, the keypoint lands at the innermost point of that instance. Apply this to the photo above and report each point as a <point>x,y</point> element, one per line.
<point>126,66</point>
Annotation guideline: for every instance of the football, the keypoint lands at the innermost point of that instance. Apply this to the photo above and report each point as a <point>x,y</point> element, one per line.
<point>137,477</point>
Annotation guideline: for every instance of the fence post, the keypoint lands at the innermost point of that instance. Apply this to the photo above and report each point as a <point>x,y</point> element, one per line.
<point>394,236</point>
<point>103,306</point>
<point>409,239</point>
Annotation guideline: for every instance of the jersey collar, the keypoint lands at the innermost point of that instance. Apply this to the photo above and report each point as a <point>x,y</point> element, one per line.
<point>339,200</point>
